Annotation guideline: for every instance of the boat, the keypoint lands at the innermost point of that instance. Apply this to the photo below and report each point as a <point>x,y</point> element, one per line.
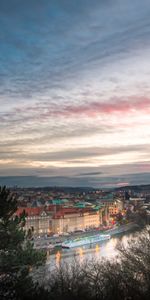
<point>81,241</point>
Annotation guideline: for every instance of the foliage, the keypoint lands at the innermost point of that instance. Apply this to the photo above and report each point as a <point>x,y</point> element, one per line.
<point>17,255</point>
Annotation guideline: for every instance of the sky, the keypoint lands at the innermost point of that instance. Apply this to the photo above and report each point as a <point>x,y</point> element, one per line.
<point>75,92</point>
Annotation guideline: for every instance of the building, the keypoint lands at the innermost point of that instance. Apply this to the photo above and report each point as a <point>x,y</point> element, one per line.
<point>137,202</point>
<point>72,221</point>
<point>114,205</point>
<point>54,219</point>
<point>37,219</point>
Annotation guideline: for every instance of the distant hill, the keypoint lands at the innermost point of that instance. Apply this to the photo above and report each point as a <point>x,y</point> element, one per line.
<point>135,188</point>
<point>58,189</point>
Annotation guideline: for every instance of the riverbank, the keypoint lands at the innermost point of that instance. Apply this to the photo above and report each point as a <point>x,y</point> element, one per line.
<point>121,229</point>
<point>53,244</point>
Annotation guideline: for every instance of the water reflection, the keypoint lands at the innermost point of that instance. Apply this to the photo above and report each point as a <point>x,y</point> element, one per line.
<point>81,255</point>
<point>107,249</point>
<point>58,258</point>
<point>110,248</point>
<point>80,252</point>
<point>97,249</point>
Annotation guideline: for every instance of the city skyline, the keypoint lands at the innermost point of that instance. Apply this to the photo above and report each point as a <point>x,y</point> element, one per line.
<point>74,92</point>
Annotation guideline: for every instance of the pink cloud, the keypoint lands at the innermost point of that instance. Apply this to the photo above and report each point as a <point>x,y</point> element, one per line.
<point>122,183</point>
<point>115,184</point>
<point>145,167</point>
<point>117,106</point>
<point>92,109</point>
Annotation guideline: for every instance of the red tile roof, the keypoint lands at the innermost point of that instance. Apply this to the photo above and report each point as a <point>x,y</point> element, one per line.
<point>30,211</point>
<point>57,212</point>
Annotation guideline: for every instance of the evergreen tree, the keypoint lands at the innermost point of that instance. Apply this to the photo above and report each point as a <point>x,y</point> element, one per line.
<point>17,255</point>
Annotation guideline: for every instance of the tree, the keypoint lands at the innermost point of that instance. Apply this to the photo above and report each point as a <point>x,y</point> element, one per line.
<point>135,266</point>
<point>17,255</point>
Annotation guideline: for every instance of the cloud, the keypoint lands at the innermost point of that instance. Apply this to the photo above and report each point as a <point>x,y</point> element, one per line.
<point>72,155</point>
<point>130,105</point>
<point>97,108</point>
<point>90,173</point>
<point>74,86</point>
<point>50,45</point>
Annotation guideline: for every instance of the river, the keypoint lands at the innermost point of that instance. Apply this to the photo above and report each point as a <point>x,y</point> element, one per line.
<point>106,249</point>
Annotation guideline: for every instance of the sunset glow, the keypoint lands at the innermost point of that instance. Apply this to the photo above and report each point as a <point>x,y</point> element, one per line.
<point>75,92</point>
